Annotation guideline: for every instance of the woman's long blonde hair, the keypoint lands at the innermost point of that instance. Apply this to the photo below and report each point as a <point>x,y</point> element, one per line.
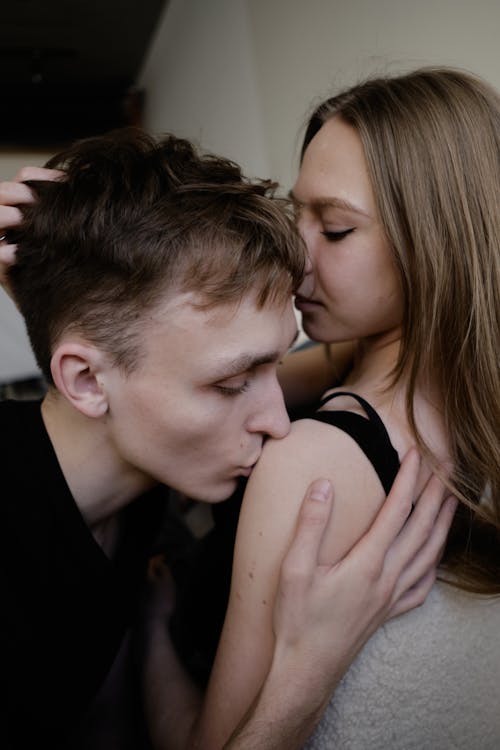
<point>432,143</point>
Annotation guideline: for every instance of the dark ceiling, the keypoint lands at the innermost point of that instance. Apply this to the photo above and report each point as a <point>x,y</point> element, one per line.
<point>68,67</point>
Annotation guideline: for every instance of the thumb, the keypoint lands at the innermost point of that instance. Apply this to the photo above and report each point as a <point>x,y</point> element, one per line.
<point>302,556</point>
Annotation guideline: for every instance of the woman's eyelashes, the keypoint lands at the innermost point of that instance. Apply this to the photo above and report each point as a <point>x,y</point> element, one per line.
<point>337,236</point>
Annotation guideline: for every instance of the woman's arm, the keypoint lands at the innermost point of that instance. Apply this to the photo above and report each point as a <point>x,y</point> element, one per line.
<point>324,614</point>
<point>267,523</point>
<point>389,571</point>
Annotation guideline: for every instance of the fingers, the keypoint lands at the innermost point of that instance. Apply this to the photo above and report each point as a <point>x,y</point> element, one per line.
<point>397,507</point>
<point>402,548</point>
<point>419,527</point>
<point>38,173</point>
<point>9,217</point>
<point>427,556</point>
<point>414,596</point>
<point>7,259</point>
<point>12,194</point>
<point>7,254</point>
<point>302,557</point>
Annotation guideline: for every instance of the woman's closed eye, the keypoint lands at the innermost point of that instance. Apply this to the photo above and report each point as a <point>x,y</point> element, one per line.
<point>336,236</point>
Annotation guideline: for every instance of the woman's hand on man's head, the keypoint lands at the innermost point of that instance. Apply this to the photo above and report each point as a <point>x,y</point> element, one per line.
<point>15,193</point>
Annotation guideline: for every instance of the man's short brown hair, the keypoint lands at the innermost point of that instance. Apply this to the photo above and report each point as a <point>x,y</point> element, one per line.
<point>133,219</point>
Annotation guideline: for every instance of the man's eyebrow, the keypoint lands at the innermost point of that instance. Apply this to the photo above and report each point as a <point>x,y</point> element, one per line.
<point>332,202</point>
<point>247,362</point>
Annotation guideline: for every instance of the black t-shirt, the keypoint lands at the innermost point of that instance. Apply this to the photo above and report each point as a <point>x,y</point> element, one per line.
<point>65,604</point>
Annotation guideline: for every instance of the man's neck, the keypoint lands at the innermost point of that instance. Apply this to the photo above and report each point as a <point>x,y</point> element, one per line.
<point>100,481</point>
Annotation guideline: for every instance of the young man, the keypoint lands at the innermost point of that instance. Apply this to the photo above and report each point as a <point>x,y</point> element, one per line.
<point>156,289</point>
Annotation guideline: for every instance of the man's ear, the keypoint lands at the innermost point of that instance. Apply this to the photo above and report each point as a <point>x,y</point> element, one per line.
<point>77,368</point>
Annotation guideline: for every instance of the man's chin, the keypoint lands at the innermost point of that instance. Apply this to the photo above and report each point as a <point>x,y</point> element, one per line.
<point>218,494</point>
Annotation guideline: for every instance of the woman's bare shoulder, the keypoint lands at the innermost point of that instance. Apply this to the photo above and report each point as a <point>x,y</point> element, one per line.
<point>314,450</point>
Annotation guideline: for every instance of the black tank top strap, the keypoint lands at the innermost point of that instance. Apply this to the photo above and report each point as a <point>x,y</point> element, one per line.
<point>368,432</point>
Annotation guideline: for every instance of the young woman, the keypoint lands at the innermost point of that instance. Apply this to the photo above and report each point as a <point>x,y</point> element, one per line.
<point>398,201</point>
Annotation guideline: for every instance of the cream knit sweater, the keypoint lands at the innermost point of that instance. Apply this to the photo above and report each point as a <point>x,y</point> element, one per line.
<point>428,680</point>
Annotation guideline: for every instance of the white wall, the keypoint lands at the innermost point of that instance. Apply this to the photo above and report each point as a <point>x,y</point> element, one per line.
<point>16,360</point>
<point>201,82</point>
<point>304,51</point>
<point>239,76</point>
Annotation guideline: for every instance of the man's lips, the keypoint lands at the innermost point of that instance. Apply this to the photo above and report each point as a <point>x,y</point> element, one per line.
<point>245,471</point>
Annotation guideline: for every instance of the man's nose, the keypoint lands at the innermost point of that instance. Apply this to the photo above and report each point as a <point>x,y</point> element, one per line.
<point>271,417</point>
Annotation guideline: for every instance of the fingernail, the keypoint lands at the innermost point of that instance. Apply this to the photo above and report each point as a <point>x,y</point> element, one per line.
<point>320,490</point>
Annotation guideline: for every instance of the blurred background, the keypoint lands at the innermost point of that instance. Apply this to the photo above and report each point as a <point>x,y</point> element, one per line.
<point>236,76</point>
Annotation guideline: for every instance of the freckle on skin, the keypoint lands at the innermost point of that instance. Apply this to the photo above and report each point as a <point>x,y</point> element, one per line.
<point>250,575</point>
<point>260,533</point>
<point>264,601</point>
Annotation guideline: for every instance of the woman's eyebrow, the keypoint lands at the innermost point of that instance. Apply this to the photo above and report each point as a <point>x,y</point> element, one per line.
<point>330,202</point>
<point>338,203</point>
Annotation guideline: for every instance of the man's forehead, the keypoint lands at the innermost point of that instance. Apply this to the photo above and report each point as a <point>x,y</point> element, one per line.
<point>226,333</point>
<point>183,307</point>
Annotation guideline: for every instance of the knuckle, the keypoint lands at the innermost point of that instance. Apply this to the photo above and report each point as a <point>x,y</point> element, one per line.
<point>418,597</point>
<point>292,572</point>
<point>404,509</point>
<point>9,217</point>
<point>426,525</point>
<point>25,173</point>
<point>313,519</point>
<point>4,192</point>
<point>315,510</point>
<point>372,567</point>
<point>419,592</point>
<point>386,588</point>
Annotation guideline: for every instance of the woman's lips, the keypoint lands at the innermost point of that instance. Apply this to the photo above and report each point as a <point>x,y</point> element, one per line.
<point>304,304</point>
